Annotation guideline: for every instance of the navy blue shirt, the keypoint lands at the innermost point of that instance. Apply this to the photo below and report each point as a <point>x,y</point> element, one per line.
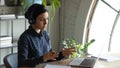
<point>32,46</point>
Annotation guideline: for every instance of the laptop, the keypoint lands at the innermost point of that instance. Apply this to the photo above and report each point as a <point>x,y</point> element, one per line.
<point>87,62</point>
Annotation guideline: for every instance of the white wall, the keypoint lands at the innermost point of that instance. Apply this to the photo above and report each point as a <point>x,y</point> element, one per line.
<point>73,15</point>
<point>54,31</point>
<point>81,19</point>
<point>68,15</point>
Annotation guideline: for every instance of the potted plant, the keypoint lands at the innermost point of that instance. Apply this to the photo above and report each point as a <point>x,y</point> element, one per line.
<point>81,50</point>
<point>54,4</point>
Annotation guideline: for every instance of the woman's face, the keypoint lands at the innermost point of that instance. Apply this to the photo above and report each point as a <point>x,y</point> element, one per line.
<point>41,21</point>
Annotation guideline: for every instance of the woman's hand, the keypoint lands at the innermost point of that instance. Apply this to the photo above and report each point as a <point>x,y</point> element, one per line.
<point>50,56</point>
<point>67,51</point>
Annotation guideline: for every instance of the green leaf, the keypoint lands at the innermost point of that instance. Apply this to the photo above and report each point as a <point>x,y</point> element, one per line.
<point>25,4</point>
<point>55,4</point>
<point>87,44</point>
<point>73,55</point>
<point>44,2</point>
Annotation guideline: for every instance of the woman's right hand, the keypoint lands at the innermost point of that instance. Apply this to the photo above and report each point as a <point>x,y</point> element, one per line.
<point>50,56</point>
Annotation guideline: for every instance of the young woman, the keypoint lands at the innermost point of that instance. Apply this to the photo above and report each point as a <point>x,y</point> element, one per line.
<point>34,44</point>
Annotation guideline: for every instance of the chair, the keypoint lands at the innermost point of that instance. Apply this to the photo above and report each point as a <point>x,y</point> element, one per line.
<point>11,60</point>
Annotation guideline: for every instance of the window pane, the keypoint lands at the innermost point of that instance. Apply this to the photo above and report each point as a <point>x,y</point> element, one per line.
<point>114,3</point>
<point>101,26</point>
<point>115,43</point>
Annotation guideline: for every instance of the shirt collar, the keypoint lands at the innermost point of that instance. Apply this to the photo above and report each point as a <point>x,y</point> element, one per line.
<point>33,32</point>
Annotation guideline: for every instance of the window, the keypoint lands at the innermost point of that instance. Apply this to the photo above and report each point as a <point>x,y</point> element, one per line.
<point>104,27</point>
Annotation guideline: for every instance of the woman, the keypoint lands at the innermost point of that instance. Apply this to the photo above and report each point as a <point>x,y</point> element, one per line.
<point>34,43</point>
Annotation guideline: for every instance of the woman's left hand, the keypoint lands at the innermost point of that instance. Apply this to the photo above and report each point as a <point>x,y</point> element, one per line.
<point>67,51</point>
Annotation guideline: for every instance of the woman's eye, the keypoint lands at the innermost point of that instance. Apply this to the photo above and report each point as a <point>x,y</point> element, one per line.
<point>43,19</point>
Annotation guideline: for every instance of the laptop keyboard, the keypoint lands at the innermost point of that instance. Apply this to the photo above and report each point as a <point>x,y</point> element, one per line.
<point>88,62</point>
<point>84,62</point>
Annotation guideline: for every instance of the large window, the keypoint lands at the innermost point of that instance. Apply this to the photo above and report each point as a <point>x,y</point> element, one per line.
<point>105,27</point>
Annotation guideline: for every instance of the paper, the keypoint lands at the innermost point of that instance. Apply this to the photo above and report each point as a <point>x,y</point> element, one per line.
<point>56,66</point>
<point>107,58</point>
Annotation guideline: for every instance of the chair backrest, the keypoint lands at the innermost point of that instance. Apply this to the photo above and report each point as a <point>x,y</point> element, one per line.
<point>11,60</point>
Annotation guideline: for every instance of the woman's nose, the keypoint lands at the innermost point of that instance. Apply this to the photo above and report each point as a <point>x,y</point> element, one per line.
<point>45,22</point>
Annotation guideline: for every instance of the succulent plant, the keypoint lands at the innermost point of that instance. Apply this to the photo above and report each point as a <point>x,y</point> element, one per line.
<point>80,49</point>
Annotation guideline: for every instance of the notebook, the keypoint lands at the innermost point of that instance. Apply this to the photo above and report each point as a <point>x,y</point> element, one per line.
<point>83,62</point>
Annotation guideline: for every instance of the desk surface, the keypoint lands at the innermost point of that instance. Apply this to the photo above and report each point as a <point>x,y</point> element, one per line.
<point>99,64</point>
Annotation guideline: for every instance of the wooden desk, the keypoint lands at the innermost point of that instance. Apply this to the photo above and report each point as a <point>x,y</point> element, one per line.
<point>99,64</point>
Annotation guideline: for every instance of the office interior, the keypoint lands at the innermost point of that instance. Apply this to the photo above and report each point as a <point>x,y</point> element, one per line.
<point>82,20</point>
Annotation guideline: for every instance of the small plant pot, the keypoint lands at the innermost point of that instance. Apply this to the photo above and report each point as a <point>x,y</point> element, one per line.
<point>83,53</point>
